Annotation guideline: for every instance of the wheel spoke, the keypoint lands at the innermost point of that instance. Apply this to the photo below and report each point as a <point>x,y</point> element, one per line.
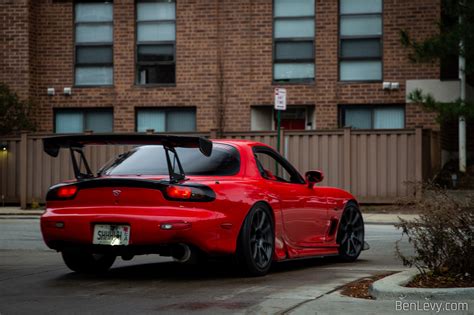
<point>343,224</point>
<point>262,256</point>
<point>253,226</point>
<point>266,229</point>
<point>255,250</point>
<point>255,220</point>
<point>262,220</point>
<point>353,245</point>
<point>351,215</point>
<point>344,239</point>
<point>355,238</point>
<point>355,219</point>
<point>264,253</point>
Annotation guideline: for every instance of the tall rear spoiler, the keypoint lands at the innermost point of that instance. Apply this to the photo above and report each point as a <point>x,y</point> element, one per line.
<point>76,143</point>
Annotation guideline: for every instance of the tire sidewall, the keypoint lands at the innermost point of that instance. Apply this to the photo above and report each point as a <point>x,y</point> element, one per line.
<point>244,252</point>
<point>342,254</point>
<point>84,262</point>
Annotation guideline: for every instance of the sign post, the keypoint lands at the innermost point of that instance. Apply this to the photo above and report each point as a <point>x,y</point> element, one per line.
<point>280,104</point>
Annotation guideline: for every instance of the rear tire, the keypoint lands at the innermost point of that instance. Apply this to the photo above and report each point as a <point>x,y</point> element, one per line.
<point>256,241</point>
<point>85,262</point>
<point>350,235</point>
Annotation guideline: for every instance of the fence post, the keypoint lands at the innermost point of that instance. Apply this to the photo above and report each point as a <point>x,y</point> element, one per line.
<point>23,169</point>
<point>418,162</point>
<point>347,158</point>
<point>282,142</point>
<point>213,134</point>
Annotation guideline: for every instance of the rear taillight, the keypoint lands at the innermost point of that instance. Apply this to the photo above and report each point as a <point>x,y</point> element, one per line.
<point>189,193</point>
<point>66,192</point>
<point>179,192</point>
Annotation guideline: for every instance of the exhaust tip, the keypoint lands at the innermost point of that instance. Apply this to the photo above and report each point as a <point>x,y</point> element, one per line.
<point>181,253</point>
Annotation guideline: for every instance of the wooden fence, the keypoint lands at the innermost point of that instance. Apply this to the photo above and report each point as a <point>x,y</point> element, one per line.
<point>375,165</point>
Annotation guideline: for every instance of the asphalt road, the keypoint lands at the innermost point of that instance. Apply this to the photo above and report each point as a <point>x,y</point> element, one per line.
<point>33,279</point>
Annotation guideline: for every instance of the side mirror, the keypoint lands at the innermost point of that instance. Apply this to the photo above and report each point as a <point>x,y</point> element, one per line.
<point>314,177</point>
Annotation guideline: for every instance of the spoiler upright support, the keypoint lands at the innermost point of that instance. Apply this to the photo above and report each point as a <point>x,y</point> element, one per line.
<point>77,166</point>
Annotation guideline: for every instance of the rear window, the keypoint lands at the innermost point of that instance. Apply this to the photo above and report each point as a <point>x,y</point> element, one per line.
<point>151,160</point>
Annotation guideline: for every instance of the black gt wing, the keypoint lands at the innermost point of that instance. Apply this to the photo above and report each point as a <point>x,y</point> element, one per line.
<point>75,143</point>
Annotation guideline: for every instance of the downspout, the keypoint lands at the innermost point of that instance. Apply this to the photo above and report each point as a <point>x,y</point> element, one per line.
<point>220,75</point>
<point>462,119</point>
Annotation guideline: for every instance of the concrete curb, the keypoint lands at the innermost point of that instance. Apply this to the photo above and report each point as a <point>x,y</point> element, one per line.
<point>19,217</point>
<point>21,213</point>
<point>387,218</point>
<point>392,288</point>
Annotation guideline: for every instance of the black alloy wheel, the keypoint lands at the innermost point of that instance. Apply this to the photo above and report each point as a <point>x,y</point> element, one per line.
<point>257,241</point>
<point>351,233</point>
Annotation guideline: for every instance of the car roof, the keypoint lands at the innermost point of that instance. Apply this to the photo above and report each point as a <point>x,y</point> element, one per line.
<point>240,142</point>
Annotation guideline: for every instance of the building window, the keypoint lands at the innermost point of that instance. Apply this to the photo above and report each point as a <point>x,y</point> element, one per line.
<point>166,119</point>
<point>94,43</point>
<point>264,118</point>
<point>372,117</point>
<point>293,40</point>
<point>80,120</point>
<point>360,45</point>
<point>156,42</point>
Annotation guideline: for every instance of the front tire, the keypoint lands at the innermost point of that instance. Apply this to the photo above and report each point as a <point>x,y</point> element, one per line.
<point>85,262</point>
<point>256,241</point>
<point>350,236</point>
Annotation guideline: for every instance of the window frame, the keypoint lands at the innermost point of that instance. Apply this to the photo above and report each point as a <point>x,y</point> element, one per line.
<point>342,111</point>
<point>341,38</point>
<point>93,44</point>
<point>154,43</point>
<point>84,111</point>
<point>280,159</point>
<point>166,110</point>
<point>275,40</point>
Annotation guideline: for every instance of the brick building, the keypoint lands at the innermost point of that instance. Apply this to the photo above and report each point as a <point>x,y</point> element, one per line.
<point>188,65</point>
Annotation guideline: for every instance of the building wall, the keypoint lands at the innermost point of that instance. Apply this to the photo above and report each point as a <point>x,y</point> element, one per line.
<point>224,61</point>
<point>14,45</point>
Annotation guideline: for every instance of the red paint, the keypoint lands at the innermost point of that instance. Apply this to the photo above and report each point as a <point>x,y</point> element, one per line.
<point>304,216</point>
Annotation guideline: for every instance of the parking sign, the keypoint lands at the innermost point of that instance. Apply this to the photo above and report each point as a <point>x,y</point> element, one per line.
<point>280,99</point>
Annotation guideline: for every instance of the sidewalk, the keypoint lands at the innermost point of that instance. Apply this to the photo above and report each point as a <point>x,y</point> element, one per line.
<point>335,303</point>
<point>369,218</point>
<point>16,211</point>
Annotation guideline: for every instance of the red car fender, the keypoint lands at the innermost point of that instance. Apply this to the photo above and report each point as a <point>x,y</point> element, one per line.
<point>234,200</point>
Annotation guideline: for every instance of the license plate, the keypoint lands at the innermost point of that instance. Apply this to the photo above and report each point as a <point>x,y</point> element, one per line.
<point>105,234</point>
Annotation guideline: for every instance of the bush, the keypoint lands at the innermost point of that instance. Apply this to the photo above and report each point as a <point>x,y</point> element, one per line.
<point>442,237</point>
<point>15,113</point>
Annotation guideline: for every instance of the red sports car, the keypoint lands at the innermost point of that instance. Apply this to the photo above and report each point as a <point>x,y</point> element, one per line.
<point>187,197</point>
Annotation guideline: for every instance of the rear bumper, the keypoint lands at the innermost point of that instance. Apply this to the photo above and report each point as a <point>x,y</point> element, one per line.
<point>208,230</point>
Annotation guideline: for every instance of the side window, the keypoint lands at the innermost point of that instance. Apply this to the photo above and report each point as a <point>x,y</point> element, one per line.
<point>271,168</point>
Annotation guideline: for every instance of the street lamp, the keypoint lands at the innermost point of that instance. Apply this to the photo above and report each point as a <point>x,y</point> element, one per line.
<point>3,147</point>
